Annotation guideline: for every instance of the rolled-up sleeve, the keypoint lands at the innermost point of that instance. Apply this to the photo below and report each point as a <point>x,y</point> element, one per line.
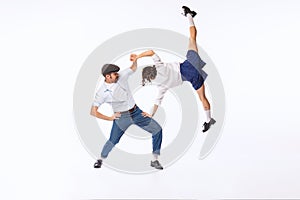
<point>125,73</point>
<point>99,99</point>
<point>156,59</point>
<point>161,93</point>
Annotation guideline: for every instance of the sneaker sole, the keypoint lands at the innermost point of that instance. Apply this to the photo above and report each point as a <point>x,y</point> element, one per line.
<point>156,168</point>
<point>212,121</point>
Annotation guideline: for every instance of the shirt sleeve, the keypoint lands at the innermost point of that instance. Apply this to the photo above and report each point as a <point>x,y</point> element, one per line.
<point>161,94</point>
<point>156,59</point>
<point>99,98</point>
<point>125,73</point>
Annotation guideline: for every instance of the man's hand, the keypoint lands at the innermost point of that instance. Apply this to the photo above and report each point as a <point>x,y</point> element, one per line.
<point>133,57</point>
<point>116,115</point>
<point>146,114</point>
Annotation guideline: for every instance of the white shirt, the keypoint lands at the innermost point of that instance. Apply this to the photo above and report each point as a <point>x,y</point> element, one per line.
<point>118,94</point>
<point>168,76</point>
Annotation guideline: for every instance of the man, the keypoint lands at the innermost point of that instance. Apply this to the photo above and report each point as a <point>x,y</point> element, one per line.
<point>115,91</point>
<point>168,75</point>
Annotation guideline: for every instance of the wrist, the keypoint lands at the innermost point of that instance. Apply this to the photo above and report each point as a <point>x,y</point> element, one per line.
<point>110,118</point>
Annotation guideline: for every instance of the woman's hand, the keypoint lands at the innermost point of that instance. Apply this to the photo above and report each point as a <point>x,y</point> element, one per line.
<point>146,114</point>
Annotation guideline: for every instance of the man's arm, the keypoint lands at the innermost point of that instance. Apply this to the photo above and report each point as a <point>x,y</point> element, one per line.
<point>134,65</point>
<point>95,113</point>
<point>135,57</point>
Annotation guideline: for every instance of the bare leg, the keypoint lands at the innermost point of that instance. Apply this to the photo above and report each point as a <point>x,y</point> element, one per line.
<point>201,90</point>
<point>202,97</point>
<point>192,39</point>
<point>209,121</point>
<point>197,63</point>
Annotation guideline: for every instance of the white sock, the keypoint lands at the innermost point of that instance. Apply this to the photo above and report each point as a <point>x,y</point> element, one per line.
<point>190,18</point>
<point>208,115</point>
<point>155,157</point>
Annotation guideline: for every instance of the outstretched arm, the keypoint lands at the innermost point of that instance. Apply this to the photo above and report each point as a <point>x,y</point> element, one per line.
<point>134,58</point>
<point>158,101</point>
<point>155,57</point>
<point>146,53</point>
<point>155,107</point>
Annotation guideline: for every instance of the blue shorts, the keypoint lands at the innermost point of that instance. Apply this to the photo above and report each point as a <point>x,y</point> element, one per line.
<point>191,69</point>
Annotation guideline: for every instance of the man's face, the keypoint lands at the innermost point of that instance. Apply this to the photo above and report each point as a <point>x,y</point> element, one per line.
<point>112,77</point>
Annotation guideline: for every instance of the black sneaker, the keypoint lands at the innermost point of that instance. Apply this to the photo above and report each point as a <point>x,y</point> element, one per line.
<point>98,164</point>
<point>156,165</point>
<point>187,10</point>
<point>206,125</point>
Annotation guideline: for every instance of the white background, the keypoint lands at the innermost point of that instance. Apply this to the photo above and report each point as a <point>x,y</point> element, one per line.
<point>255,47</point>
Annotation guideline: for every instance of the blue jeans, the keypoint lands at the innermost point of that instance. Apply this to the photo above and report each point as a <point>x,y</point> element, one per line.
<point>128,118</point>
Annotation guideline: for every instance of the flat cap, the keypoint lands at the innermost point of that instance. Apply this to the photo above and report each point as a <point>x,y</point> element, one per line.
<point>109,68</point>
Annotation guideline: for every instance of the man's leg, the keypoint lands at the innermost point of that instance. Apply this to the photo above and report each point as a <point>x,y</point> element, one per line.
<point>115,136</point>
<point>151,126</point>
<point>119,127</point>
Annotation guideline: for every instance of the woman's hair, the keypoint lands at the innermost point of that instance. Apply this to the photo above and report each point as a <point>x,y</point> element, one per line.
<point>149,73</point>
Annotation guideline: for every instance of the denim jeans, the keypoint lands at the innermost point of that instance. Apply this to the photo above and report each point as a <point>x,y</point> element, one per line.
<point>128,118</point>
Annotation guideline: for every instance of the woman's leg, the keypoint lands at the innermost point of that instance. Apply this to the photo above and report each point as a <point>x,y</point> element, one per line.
<point>202,97</point>
<point>193,36</point>
<point>206,105</point>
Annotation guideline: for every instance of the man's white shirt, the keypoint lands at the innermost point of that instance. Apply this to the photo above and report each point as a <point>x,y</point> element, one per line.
<point>118,94</point>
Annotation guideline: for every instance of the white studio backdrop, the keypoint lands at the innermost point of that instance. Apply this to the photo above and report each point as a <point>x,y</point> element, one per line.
<point>254,45</point>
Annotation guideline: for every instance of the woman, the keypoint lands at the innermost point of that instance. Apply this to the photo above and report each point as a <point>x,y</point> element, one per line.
<point>168,75</point>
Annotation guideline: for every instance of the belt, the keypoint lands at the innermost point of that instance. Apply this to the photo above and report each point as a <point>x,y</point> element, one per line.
<point>130,110</point>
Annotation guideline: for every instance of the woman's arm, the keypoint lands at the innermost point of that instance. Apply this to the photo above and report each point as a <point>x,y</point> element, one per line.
<point>155,107</point>
<point>146,53</point>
